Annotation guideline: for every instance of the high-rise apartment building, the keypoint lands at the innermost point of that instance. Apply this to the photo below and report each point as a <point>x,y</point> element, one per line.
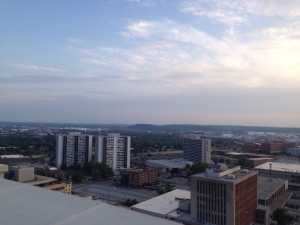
<point>224,196</point>
<point>113,150</point>
<point>73,149</point>
<point>196,149</point>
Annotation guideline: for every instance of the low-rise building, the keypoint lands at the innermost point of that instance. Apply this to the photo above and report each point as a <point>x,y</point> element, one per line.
<point>254,162</point>
<point>64,187</point>
<point>285,171</point>
<point>138,177</point>
<point>293,151</point>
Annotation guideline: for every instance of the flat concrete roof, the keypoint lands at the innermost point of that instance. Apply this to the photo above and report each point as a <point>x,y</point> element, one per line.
<point>265,188</point>
<point>283,167</point>
<point>239,174</point>
<point>28,205</point>
<point>40,180</point>
<point>163,204</point>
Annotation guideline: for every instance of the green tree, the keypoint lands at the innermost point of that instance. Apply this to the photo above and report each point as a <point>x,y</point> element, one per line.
<point>174,171</point>
<point>168,189</point>
<point>128,202</point>
<point>96,173</point>
<point>280,216</point>
<point>107,172</point>
<point>161,191</point>
<point>199,167</point>
<point>134,202</point>
<point>188,166</point>
<point>77,176</point>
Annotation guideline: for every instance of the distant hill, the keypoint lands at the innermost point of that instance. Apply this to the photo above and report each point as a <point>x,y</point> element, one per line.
<point>168,128</point>
<point>85,125</point>
<point>213,128</point>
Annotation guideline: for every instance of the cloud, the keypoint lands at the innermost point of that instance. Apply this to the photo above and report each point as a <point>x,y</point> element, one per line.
<point>182,58</point>
<point>140,29</point>
<point>240,12</point>
<point>144,3</point>
<point>74,40</point>
<point>229,12</point>
<point>38,68</point>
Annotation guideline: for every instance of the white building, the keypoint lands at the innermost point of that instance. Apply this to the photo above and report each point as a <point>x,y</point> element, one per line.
<point>113,150</point>
<point>73,149</point>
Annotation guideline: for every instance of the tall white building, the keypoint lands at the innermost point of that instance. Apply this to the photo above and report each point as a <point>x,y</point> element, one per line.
<point>196,149</point>
<point>113,150</point>
<point>73,149</point>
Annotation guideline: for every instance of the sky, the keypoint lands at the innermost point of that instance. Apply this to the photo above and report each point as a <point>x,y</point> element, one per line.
<point>211,62</point>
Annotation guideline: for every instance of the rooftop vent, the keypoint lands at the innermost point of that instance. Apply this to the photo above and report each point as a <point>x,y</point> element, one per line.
<point>230,176</point>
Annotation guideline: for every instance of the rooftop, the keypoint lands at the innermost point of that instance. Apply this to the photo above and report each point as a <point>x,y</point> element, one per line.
<point>265,187</point>
<point>40,180</point>
<point>258,159</point>
<point>283,167</point>
<point>50,207</point>
<point>13,156</point>
<point>163,204</point>
<point>228,174</point>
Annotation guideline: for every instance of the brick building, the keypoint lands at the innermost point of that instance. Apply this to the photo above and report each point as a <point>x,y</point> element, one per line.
<point>141,176</point>
<point>277,147</point>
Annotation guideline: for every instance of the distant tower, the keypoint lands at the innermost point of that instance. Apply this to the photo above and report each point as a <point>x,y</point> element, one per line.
<point>73,149</point>
<point>113,150</point>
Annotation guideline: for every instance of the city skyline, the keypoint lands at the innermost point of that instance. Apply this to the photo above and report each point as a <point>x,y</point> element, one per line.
<point>151,62</point>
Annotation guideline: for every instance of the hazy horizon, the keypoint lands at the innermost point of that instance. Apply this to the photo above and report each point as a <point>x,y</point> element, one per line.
<point>206,62</point>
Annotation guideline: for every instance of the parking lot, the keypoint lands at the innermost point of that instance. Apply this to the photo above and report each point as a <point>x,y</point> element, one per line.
<point>111,193</point>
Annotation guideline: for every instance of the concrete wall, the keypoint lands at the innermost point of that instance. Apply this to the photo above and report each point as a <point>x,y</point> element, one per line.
<point>3,169</point>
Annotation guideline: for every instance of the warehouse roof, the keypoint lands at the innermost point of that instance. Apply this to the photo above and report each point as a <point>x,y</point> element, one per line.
<point>283,167</point>
<point>163,204</point>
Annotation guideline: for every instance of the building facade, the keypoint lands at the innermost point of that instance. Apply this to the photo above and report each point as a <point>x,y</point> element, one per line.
<point>64,187</point>
<point>113,150</point>
<point>73,149</point>
<point>254,162</point>
<point>224,196</point>
<point>139,177</point>
<point>196,149</point>
<point>277,146</point>
<point>3,169</point>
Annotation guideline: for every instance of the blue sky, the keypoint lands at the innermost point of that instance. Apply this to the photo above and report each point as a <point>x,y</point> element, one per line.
<point>147,61</point>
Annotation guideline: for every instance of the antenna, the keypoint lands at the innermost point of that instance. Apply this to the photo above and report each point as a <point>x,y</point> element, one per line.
<point>270,172</point>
